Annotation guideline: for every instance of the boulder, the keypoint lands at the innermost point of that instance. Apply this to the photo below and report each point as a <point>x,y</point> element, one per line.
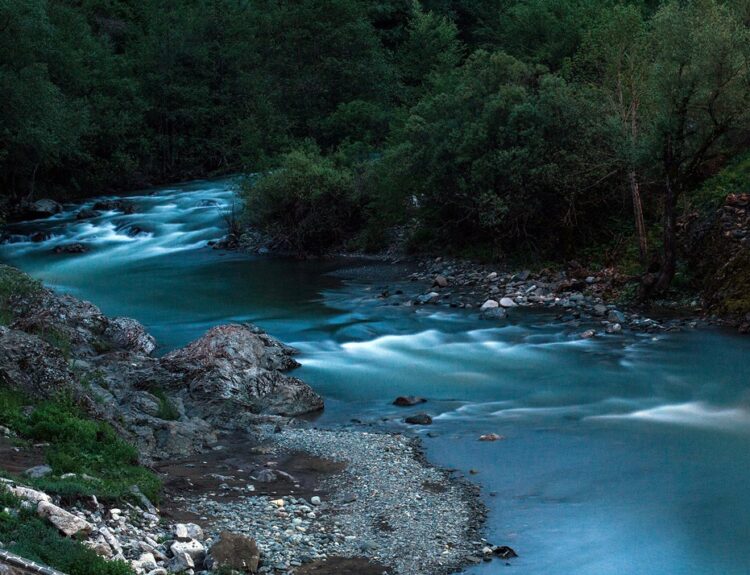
<point>28,494</point>
<point>489,304</point>
<point>236,368</point>
<point>187,531</point>
<point>181,562</point>
<point>408,400</point>
<point>440,281</point>
<point>616,316</point>
<point>65,521</point>
<point>234,551</point>
<point>507,302</point>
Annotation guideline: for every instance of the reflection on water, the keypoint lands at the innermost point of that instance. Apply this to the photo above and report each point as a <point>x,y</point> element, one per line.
<point>625,454</point>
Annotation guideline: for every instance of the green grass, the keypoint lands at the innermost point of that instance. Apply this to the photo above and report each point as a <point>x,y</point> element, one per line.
<point>14,283</point>
<point>167,409</point>
<point>78,445</point>
<point>29,536</point>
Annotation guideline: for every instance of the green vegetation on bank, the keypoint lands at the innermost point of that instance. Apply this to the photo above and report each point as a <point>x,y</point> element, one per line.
<point>103,464</point>
<point>14,283</point>
<point>542,129</point>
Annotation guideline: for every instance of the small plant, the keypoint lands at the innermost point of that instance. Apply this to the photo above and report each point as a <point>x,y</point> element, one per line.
<point>14,284</point>
<point>167,409</point>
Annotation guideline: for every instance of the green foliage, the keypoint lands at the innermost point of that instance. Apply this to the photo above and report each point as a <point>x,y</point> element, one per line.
<point>77,445</point>
<point>33,539</point>
<point>167,409</point>
<point>309,203</point>
<point>733,179</point>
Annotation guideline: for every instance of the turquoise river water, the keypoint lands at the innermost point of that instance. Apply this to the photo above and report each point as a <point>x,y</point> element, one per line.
<point>627,454</point>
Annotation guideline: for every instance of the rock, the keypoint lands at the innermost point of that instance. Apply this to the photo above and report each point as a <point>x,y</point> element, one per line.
<point>65,521</point>
<point>616,316</point>
<point>489,304</point>
<point>614,328</point>
<point>494,313</point>
<point>234,551</point>
<point>38,237</point>
<point>44,209</point>
<point>440,281</point>
<point>431,297</point>
<point>507,302</point>
<point>236,368</point>
<point>315,500</point>
<point>408,400</point>
<point>193,548</point>
<point>129,334</point>
<point>588,334</point>
<point>600,309</point>
<point>187,531</point>
<point>76,248</point>
<point>38,471</point>
<point>266,476</point>
<point>123,206</point>
<point>28,494</point>
<point>419,419</point>
<point>492,276</point>
<point>181,562</point>
<point>146,561</point>
<point>504,552</point>
<point>87,214</point>
<point>491,437</point>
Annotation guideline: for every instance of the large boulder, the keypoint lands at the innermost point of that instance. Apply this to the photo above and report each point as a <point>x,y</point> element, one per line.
<point>43,209</point>
<point>65,521</point>
<point>235,368</point>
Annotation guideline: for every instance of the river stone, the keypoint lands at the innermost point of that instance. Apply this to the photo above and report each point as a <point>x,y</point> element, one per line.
<point>193,548</point>
<point>419,419</point>
<point>234,551</point>
<point>408,400</point>
<point>441,281</point>
<point>65,521</point>
<point>616,316</point>
<point>507,302</point>
<point>44,209</point>
<point>489,304</point>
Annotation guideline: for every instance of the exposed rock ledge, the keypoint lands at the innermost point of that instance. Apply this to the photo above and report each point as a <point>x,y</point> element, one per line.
<point>169,406</point>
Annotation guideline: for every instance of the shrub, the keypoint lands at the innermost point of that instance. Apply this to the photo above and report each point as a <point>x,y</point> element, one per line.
<point>14,283</point>
<point>308,205</point>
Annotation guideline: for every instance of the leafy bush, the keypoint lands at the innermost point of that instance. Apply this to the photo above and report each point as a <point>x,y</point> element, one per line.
<point>308,205</point>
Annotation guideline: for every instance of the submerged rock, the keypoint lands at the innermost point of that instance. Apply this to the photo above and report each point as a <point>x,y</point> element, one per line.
<point>419,419</point>
<point>408,400</point>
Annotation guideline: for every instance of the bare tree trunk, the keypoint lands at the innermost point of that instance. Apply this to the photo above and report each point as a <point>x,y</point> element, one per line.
<point>640,225</point>
<point>32,184</point>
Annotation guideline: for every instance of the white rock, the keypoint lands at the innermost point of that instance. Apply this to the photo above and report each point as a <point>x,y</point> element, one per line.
<point>65,521</point>
<point>193,548</point>
<point>28,494</point>
<point>490,304</point>
<point>147,562</point>
<point>187,531</point>
<point>315,500</point>
<point>507,302</point>
<point>181,562</point>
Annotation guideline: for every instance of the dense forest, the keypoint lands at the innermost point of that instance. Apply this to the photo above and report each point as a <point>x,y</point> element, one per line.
<point>488,128</point>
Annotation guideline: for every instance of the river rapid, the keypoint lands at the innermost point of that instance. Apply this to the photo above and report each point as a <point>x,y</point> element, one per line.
<point>624,454</point>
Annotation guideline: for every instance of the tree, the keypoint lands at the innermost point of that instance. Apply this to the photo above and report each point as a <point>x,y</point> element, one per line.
<point>700,96</point>
<point>615,57</point>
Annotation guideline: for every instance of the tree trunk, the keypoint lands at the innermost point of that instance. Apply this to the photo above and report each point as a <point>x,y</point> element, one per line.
<point>32,184</point>
<point>640,226</point>
<point>669,261</point>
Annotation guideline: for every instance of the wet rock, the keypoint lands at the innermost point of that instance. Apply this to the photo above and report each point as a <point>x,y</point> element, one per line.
<point>123,206</point>
<point>65,521</point>
<point>431,297</point>
<point>507,302</point>
<point>489,304</point>
<point>76,248</point>
<point>494,313</point>
<point>491,437</point>
<point>600,309</point>
<point>441,281</point>
<point>43,209</point>
<point>616,316</point>
<point>39,237</point>
<point>419,419</point>
<point>234,551</point>
<point>408,400</point>
<point>87,214</point>
<point>588,334</point>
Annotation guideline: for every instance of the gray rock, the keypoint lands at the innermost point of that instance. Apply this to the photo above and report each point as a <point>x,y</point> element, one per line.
<point>600,309</point>
<point>38,471</point>
<point>44,208</point>
<point>419,419</point>
<point>441,281</point>
<point>489,304</point>
<point>193,548</point>
<point>65,521</point>
<point>616,316</point>
<point>507,302</point>
<point>408,400</point>
<point>127,333</point>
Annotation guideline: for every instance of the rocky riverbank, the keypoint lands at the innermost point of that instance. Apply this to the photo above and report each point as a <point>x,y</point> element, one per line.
<point>244,476</point>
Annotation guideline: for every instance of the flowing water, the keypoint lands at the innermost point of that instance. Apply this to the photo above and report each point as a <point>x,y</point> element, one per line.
<point>625,454</point>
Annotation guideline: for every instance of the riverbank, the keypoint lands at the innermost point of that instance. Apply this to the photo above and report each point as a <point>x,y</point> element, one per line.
<point>354,496</point>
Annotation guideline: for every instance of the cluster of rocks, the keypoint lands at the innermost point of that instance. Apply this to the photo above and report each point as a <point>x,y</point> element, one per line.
<point>170,406</point>
<point>576,294</point>
<point>136,534</point>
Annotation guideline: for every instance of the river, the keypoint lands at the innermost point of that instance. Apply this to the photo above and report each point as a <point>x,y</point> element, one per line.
<point>625,454</point>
